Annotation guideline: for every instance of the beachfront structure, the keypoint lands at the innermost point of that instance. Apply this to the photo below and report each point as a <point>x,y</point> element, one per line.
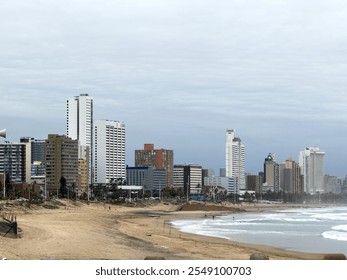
<point>37,148</point>
<point>79,116</point>
<point>109,151</point>
<point>158,158</point>
<point>15,161</point>
<point>228,183</point>
<point>61,155</point>
<point>255,182</point>
<point>332,184</point>
<point>271,174</point>
<point>235,159</point>
<point>291,179</point>
<point>311,161</point>
<point>188,178</point>
<point>153,180</point>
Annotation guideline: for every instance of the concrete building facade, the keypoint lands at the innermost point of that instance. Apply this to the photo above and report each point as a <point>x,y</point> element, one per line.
<point>271,174</point>
<point>109,151</point>
<point>291,179</point>
<point>79,120</point>
<point>158,158</point>
<point>227,183</point>
<point>15,161</point>
<point>61,155</point>
<point>153,180</point>
<point>188,177</point>
<point>235,159</point>
<point>311,161</point>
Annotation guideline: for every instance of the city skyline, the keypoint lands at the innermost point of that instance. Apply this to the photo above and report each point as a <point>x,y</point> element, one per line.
<point>179,74</point>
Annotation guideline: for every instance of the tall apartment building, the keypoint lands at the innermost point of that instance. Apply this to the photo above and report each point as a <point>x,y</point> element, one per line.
<point>291,180</point>
<point>37,155</point>
<point>158,158</point>
<point>188,178</point>
<point>311,161</point>
<point>271,174</point>
<point>79,120</point>
<point>15,161</point>
<point>235,159</point>
<point>61,161</point>
<point>109,151</point>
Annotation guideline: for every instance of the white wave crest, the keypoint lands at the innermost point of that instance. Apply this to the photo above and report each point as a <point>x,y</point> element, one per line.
<point>340,228</point>
<point>336,235</point>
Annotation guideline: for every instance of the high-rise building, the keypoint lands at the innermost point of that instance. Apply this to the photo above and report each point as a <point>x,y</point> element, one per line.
<point>291,180</point>
<point>61,161</point>
<point>311,161</point>
<point>109,151</point>
<point>271,174</point>
<point>37,155</point>
<point>158,158</point>
<point>80,119</point>
<point>15,162</point>
<point>80,124</point>
<point>235,159</point>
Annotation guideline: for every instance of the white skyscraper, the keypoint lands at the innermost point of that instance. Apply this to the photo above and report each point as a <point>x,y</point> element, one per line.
<point>109,151</point>
<point>80,119</point>
<point>79,114</point>
<point>311,161</point>
<point>235,159</point>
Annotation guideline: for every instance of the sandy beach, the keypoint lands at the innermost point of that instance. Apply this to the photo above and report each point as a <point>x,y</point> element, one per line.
<point>70,230</point>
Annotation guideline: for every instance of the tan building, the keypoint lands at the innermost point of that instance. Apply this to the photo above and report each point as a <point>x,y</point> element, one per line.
<point>271,175</point>
<point>158,158</point>
<point>291,178</point>
<point>82,185</point>
<point>61,161</point>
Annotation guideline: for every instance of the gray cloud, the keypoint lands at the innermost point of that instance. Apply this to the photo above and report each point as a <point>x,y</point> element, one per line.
<point>180,72</point>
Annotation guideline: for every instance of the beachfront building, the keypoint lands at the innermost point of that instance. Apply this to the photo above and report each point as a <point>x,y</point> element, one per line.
<point>61,156</point>
<point>332,184</point>
<point>188,178</point>
<point>157,158</point>
<point>109,151</point>
<point>152,179</point>
<point>255,182</point>
<point>235,159</point>
<point>15,161</point>
<point>311,161</point>
<point>79,115</point>
<point>291,179</point>
<point>228,184</point>
<point>37,148</point>
<point>271,175</point>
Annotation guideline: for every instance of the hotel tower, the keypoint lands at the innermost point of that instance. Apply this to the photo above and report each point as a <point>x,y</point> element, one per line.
<point>235,159</point>
<point>80,126</point>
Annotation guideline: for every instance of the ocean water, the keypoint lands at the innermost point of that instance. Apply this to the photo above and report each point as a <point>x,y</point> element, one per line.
<point>311,230</point>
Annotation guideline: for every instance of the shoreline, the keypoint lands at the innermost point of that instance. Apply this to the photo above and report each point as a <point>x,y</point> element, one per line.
<point>207,247</point>
<point>80,231</point>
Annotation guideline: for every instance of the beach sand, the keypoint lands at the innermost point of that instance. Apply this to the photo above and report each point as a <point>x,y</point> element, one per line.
<point>95,231</point>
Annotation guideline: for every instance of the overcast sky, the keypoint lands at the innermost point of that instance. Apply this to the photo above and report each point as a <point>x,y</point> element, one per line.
<point>181,72</point>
